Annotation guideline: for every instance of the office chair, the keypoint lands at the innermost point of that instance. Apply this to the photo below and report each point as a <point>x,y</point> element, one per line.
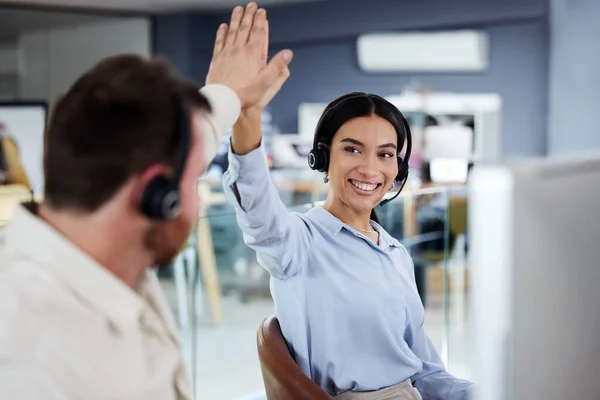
<point>282,377</point>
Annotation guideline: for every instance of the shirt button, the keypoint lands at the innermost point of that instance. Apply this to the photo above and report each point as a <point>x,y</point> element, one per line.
<point>113,328</point>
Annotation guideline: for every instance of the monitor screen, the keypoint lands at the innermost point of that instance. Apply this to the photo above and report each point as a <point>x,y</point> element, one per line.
<point>448,170</point>
<point>25,123</point>
<point>447,141</point>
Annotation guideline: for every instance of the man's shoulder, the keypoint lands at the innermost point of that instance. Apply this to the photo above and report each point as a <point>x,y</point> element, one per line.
<point>23,278</point>
<point>52,331</point>
<point>34,306</point>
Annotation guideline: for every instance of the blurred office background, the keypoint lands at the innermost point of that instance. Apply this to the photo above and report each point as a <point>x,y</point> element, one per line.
<point>481,81</point>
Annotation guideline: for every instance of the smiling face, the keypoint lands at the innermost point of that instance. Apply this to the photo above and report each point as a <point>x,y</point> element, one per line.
<point>363,163</point>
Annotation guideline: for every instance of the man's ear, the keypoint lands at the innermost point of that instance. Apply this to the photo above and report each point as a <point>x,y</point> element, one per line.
<point>141,181</point>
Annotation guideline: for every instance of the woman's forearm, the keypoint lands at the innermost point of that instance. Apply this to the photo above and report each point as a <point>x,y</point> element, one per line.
<point>247,132</point>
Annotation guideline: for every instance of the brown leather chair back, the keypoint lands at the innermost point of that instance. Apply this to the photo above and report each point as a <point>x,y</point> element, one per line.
<point>283,379</point>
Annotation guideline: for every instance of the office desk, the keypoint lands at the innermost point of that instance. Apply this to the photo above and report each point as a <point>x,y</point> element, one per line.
<point>209,190</point>
<point>297,183</point>
<point>10,197</point>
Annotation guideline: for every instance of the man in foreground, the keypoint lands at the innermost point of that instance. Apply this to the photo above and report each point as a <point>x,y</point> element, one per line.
<point>81,315</point>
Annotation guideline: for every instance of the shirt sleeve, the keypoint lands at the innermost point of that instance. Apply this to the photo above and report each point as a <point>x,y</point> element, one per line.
<point>226,108</point>
<point>434,382</point>
<point>281,239</point>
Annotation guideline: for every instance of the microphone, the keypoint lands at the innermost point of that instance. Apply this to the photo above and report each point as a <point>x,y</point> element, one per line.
<point>384,202</point>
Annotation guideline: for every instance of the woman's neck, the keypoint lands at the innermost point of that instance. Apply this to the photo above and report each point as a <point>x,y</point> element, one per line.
<point>357,220</point>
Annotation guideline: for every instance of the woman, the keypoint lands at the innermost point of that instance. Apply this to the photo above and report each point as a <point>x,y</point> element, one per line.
<point>344,289</point>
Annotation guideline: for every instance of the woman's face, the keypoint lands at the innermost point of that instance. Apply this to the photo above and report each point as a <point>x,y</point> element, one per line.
<point>363,162</point>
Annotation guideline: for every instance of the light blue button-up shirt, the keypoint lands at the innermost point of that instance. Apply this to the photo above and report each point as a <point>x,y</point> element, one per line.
<point>348,308</point>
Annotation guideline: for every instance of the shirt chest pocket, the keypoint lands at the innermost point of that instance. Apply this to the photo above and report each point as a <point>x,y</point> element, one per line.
<point>388,290</point>
<point>403,268</point>
<point>358,293</point>
<point>402,293</point>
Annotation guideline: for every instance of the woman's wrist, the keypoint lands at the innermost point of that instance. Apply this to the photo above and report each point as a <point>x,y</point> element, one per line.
<point>247,132</point>
<point>251,113</point>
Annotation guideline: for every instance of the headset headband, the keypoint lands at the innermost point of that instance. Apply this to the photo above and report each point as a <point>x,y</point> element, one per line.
<point>328,112</point>
<point>184,133</point>
<point>407,139</point>
<point>161,199</point>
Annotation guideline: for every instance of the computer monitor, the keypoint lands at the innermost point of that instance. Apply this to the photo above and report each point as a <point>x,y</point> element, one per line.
<point>534,252</point>
<point>25,123</point>
<point>290,151</point>
<point>448,170</point>
<point>448,141</point>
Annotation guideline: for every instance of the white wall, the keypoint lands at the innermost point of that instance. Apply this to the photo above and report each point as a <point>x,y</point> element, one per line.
<point>573,123</point>
<point>51,60</point>
<point>8,69</point>
<point>48,63</point>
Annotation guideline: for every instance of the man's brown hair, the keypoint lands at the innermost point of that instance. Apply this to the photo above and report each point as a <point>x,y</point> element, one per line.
<point>116,120</point>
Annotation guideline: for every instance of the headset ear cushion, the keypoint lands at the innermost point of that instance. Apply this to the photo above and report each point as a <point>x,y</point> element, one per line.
<point>318,159</point>
<point>160,200</point>
<point>313,161</point>
<point>325,157</point>
<point>402,170</point>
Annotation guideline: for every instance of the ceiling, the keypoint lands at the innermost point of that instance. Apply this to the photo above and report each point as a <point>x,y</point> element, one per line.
<point>13,21</point>
<point>47,14</point>
<point>149,5</point>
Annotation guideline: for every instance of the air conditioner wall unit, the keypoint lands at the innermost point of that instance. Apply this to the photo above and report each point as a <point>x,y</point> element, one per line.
<point>450,51</point>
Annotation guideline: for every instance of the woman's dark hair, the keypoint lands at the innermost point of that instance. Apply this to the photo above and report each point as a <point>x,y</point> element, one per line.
<point>355,105</point>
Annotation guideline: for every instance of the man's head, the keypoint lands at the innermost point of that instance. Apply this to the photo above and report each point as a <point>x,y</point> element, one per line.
<point>116,130</point>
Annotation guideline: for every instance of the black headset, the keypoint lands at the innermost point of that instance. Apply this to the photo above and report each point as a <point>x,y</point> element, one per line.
<point>161,199</point>
<point>318,157</point>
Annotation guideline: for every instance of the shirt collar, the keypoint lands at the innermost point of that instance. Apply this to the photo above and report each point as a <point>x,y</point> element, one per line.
<point>333,225</point>
<point>385,239</point>
<point>34,239</point>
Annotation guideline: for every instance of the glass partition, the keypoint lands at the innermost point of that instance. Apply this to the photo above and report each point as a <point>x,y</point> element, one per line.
<point>220,294</point>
